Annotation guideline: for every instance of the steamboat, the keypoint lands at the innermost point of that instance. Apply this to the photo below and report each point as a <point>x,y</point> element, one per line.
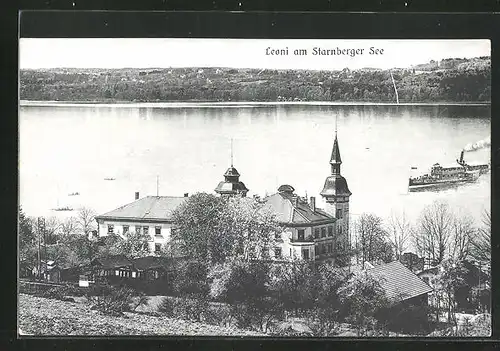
<point>440,176</point>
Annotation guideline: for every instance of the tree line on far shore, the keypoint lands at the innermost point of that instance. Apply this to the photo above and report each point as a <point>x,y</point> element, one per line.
<point>451,80</point>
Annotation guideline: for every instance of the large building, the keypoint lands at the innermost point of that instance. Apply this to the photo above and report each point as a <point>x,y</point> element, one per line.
<point>310,233</point>
<point>150,215</point>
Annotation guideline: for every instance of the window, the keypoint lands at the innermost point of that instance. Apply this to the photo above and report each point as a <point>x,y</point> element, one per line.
<point>110,228</point>
<point>290,252</point>
<point>330,231</point>
<point>125,229</point>
<point>138,229</point>
<point>339,213</point>
<point>323,232</point>
<point>157,231</point>
<point>277,252</point>
<point>301,234</point>
<point>323,249</point>
<point>316,233</point>
<point>157,248</point>
<point>145,230</point>
<point>330,248</point>
<point>305,254</point>
<point>133,274</point>
<point>340,229</point>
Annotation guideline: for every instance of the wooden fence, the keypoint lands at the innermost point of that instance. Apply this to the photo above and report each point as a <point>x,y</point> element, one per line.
<point>34,287</point>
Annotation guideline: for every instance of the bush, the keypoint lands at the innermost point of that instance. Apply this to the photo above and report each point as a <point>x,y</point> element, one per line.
<point>186,308</point>
<point>167,306</point>
<point>111,300</point>
<point>219,314</point>
<point>62,292</point>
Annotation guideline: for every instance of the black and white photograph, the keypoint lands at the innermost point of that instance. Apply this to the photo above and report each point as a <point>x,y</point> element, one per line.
<point>254,187</point>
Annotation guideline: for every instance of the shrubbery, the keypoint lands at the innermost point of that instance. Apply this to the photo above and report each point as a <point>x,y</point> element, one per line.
<point>62,293</point>
<point>113,300</point>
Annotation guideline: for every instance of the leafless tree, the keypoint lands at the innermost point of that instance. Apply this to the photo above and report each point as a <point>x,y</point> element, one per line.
<point>433,232</point>
<point>69,226</point>
<point>372,243</point>
<point>86,221</point>
<point>463,232</point>
<point>399,229</point>
<point>481,242</point>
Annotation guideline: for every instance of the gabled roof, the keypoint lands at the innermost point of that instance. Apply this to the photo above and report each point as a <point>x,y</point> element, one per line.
<point>398,281</point>
<point>114,261</point>
<point>283,205</point>
<point>149,207</point>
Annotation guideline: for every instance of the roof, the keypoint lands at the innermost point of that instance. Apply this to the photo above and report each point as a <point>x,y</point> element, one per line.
<point>114,261</point>
<point>230,187</point>
<point>335,158</point>
<point>336,185</point>
<point>150,262</point>
<point>287,211</point>
<point>149,207</point>
<point>398,281</point>
<point>231,172</point>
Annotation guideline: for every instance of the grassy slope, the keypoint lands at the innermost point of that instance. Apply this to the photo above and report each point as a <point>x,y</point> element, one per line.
<point>41,316</point>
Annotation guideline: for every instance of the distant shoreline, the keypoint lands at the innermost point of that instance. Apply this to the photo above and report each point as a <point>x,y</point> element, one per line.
<point>194,104</point>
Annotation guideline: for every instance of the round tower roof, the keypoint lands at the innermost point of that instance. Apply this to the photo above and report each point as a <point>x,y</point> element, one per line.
<point>335,186</point>
<point>285,188</point>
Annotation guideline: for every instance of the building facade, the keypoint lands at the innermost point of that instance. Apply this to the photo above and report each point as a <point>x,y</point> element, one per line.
<point>150,215</point>
<point>309,232</point>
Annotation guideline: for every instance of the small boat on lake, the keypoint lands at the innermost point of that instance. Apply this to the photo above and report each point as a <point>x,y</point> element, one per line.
<point>65,208</point>
<point>74,194</point>
<point>109,179</point>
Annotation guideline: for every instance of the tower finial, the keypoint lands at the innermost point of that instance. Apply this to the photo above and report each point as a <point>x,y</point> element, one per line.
<point>231,152</point>
<point>336,117</point>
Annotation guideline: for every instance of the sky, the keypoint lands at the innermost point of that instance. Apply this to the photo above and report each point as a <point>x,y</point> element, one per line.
<point>237,53</point>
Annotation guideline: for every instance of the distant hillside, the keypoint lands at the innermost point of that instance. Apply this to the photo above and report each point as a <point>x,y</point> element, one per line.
<point>450,80</point>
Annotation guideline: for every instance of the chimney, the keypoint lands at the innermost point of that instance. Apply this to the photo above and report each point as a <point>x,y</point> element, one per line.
<point>186,194</point>
<point>462,157</point>
<point>295,201</point>
<point>313,203</point>
<point>137,195</point>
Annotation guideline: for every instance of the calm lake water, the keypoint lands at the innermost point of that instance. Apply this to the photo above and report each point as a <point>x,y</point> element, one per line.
<point>66,149</point>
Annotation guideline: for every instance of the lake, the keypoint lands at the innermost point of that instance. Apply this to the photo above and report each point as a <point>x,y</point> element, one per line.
<point>73,148</point>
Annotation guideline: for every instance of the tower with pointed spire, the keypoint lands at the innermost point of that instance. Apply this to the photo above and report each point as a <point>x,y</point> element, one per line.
<point>231,185</point>
<point>336,194</point>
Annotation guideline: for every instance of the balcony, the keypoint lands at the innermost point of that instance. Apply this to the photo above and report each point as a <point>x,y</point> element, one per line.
<point>308,239</point>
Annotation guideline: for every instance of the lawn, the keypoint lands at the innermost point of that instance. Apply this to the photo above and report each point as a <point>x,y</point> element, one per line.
<point>42,316</point>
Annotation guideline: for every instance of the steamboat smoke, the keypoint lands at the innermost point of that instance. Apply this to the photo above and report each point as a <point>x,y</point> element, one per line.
<point>481,144</point>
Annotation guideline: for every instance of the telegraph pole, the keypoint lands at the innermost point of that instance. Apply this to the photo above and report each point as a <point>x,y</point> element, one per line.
<point>39,239</point>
